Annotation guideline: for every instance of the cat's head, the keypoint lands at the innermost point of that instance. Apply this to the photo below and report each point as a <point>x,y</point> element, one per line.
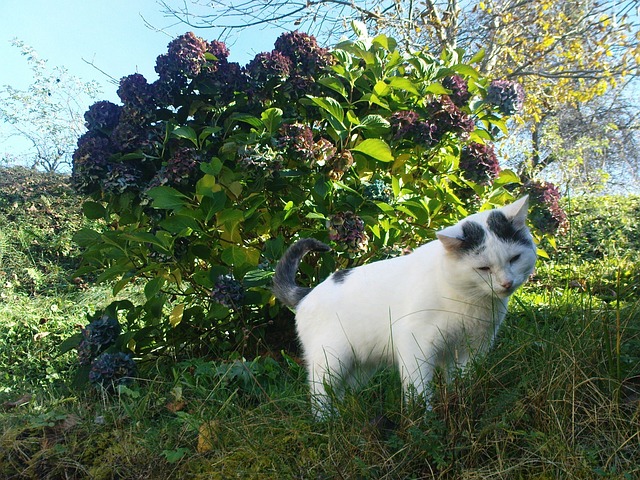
<point>491,252</point>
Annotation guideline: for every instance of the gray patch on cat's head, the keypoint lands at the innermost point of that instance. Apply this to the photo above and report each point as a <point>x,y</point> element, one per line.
<point>472,237</point>
<point>341,275</point>
<point>503,228</point>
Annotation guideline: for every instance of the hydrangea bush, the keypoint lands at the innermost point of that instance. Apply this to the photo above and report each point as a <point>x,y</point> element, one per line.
<point>205,176</point>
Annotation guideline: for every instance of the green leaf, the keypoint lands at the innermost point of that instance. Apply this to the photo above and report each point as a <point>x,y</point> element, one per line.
<point>207,186</point>
<point>153,287</point>
<point>70,343</point>
<point>360,29</point>
<point>86,237</point>
<point>466,70</point>
<point>93,210</point>
<point>167,198</point>
<point>478,57</point>
<point>186,132</point>
<point>506,177</point>
<point>212,204</point>
<point>375,125</point>
<point>375,148</point>
<point>334,84</point>
<point>385,42</point>
<point>331,106</point>
<point>437,89</point>
<point>272,119</point>
<point>257,278</point>
<point>207,132</point>
<point>403,83</point>
<point>213,167</point>
<point>246,118</point>
<point>179,223</point>
<point>381,88</point>
<point>235,256</point>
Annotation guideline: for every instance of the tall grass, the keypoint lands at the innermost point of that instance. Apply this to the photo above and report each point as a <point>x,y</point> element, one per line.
<point>557,397</point>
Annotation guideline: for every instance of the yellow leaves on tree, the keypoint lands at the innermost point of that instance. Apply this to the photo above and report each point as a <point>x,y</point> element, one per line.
<point>563,52</point>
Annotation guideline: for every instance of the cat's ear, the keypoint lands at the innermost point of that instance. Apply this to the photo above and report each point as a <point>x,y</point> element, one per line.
<point>517,212</point>
<point>451,237</point>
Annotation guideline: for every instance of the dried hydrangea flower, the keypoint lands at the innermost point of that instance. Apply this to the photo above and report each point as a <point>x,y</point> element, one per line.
<point>347,230</point>
<point>546,213</point>
<point>102,115</point>
<point>479,163</point>
<point>448,118</point>
<point>508,96</point>
<point>112,369</point>
<point>91,162</point>
<point>135,91</point>
<point>227,291</point>
<point>96,337</point>
<point>459,89</point>
<point>378,191</point>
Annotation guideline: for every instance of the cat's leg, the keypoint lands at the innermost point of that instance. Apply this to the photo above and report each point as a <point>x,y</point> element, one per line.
<point>416,364</point>
<point>326,369</point>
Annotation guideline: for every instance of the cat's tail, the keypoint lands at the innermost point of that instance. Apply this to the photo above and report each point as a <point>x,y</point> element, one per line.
<point>284,286</point>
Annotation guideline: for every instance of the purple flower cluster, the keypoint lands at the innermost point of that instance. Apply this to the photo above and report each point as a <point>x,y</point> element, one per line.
<point>184,59</point>
<point>479,163</point>
<point>96,337</point>
<point>219,50</point>
<point>121,177</point>
<point>181,169</point>
<point>407,124</point>
<point>506,95</point>
<point>102,115</point>
<point>294,64</point>
<point>135,92</point>
<point>448,118</point>
<point>459,89</point>
<point>347,230</point>
<point>403,122</point>
<point>223,80</point>
<point>190,66</point>
<point>443,117</point>
<point>269,66</point>
<point>91,162</point>
<point>112,369</point>
<point>227,291</point>
<point>307,57</point>
<point>296,140</point>
<point>546,213</point>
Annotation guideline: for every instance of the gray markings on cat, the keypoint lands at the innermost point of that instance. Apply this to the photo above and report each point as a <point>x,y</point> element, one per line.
<point>503,228</point>
<point>473,237</point>
<point>341,275</point>
<point>284,283</point>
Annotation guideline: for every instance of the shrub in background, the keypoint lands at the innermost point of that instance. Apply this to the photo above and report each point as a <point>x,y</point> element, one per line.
<point>203,177</point>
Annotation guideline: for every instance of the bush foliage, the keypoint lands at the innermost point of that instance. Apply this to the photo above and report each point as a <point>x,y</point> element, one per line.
<point>203,177</point>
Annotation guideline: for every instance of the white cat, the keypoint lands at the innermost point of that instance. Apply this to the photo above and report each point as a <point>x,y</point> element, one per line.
<point>433,308</point>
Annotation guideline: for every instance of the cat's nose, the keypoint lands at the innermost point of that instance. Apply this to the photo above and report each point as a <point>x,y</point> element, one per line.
<point>507,285</point>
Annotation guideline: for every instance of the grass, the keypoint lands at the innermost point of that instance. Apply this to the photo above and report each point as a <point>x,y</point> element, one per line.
<point>557,398</point>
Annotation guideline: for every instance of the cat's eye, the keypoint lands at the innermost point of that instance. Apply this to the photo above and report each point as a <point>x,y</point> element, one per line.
<point>515,259</point>
<point>485,269</point>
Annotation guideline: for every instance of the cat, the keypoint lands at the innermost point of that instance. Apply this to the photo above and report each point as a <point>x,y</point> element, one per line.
<point>431,309</point>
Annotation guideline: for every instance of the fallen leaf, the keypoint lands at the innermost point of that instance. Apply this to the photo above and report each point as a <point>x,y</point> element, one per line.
<point>176,406</point>
<point>39,336</point>
<point>207,435</point>
<point>23,400</point>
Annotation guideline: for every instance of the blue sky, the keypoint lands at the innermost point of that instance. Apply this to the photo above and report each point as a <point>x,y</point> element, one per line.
<point>113,35</point>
